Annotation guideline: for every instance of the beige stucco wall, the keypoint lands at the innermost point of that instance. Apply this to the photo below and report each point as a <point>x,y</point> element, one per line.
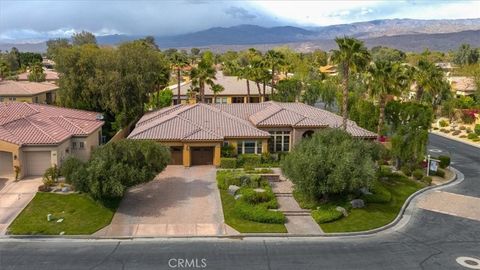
<point>91,142</point>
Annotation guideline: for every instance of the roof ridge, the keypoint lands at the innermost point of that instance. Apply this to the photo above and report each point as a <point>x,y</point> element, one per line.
<point>73,124</point>
<point>199,127</point>
<point>170,117</point>
<point>231,116</point>
<point>41,130</point>
<point>273,104</point>
<point>23,116</point>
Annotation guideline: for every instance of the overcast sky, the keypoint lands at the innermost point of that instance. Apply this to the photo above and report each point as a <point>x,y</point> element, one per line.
<point>37,20</point>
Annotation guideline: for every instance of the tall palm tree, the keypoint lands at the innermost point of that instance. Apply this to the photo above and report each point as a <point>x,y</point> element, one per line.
<point>352,56</point>
<point>385,79</point>
<point>216,89</point>
<point>204,74</point>
<point>178,61</point>
<point>430,81</point>
<point>273,59</point>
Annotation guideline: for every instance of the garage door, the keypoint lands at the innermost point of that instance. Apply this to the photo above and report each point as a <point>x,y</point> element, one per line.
<point>177,155</point>
<point>202,155</point>
<point>6,163</point>
<point>37,162</point>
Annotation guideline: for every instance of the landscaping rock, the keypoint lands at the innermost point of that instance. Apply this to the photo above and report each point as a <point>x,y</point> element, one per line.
<point>342,210</point>
<point>365,191</point>
<point>358,203</point>
<point>259,190</point>
<point>60,220</point>
<point>232,189</point>
<point>238,196</point>
<point>65,189</point>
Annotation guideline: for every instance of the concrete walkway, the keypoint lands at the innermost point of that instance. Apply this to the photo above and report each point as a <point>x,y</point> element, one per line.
<point>14,196</point>
<point>299,221</point>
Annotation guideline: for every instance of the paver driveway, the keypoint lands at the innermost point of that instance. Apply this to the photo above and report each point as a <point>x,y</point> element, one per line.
<point>180,201</point>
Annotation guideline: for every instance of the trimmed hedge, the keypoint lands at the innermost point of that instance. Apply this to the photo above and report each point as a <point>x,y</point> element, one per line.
<point>440,173</point>
<point>477,129</point>
<point>326,215</point>
<point>258,213</point>
<point>427,180</point>
<point>228,163</point>
<point>237,178</point>
<point>444,161</point>
<point>251,196</point>
<point>379,194</point>
<point>249,160</point>
<point>417,174</point>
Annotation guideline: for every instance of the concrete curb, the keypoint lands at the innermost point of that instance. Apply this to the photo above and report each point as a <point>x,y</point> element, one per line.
<point>456,179</point>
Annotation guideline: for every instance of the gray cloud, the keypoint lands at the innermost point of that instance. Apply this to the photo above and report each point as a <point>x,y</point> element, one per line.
<point>240,13</point>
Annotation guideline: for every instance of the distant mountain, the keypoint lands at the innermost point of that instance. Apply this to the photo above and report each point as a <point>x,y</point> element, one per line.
<point>406,34</point>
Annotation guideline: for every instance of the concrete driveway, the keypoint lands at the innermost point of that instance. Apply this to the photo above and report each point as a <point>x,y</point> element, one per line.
<point>14,196</point>
<point>180,201</point>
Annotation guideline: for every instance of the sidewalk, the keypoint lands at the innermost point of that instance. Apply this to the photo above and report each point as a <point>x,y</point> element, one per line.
<point>14,197</point>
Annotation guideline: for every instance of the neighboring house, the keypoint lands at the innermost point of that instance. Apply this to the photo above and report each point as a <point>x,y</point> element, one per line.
<point>196,132</point>
<point>462,86</point>
<point>50,75</point>
<point>36,137</point>
<point>235,90</point>
<point>25,91</point>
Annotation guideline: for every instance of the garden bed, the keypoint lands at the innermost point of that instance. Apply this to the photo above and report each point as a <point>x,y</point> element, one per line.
<point>80,214</point>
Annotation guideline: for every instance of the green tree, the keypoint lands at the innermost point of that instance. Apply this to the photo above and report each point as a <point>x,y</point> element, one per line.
<point>178,61</point>
<point>216,89</point>
<point>432,86</point>
<point>273,60</point>
<point>466,55</point>
<point>330,162</point>
<point>36,73</point>
<point>203,74</point>
<point>287,90</point>
<point>380,53</point>
<point>4,69</point>
<point>352,57</point>
<point>82,38</point>
<point>54,45</point>
<point>160,99</point>
<point>195,53</point>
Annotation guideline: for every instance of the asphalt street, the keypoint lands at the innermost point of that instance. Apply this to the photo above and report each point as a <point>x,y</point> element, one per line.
<point>429,240</point>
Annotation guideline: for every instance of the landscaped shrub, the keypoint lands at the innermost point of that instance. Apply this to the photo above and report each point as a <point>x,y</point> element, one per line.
<point>472,136</point>
<point>444,161</point>
<point>325,215</point>
<point>462,128</point>
<point>51,176</point>
<point>228,151</point>
<point>253,181</point>
<point>463,136</point>
<point>456,132</point>
<point>379,194</point>
<point>444,130</point>
<point>267,158</point>
<point>469,130</point>
<point>468,117</point>
<point>227,178</point>
<point>417,174</point>
<point>228,163</point>
<point>406,170</point>
<point>427,180</point>
<point>258,213</point>
<point>68,168</point>
<point>251,196</point>
<point>440,173</point>
<point>249,159</point>
<point>477,129</point>
<point>443,123</point>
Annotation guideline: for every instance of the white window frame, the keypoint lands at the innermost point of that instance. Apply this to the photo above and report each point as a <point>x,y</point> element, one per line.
<point>241,145</point>
<point>282,136</point>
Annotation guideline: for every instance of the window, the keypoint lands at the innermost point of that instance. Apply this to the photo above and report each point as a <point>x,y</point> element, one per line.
<point>221,100</point>
<point>238,100</point>
<point>208,100</point>
<point>74,145</point>
<point>279,141</point>
<point>1,99</point>
<point>12,98</point>
<point>81,145</point>
<point>36,99</point>
<point>249,147</point>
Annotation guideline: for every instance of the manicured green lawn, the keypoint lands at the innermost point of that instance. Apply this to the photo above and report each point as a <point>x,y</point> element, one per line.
<point>81,215</point>
<point>245,226</point>
<point>375,215</point>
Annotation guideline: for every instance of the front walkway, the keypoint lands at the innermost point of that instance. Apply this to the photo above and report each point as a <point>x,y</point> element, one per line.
<point>299,221</point>
<point>14,196</point>
<point>180,201</point>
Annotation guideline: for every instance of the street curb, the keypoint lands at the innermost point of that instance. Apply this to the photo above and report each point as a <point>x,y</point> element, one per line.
<point>451,182</point>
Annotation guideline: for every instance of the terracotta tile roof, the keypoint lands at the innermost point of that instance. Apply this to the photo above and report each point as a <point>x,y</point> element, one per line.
<point>465,84</point>
<point>232,84</point>
<point>50,75</point>
<point>243,120</point>
<point>25,88</point>
<point>26,124</point>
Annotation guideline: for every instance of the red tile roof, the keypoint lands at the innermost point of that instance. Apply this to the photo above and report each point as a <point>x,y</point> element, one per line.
<point>25,88</point>
<point>26,124</point>
<point>242,120</point>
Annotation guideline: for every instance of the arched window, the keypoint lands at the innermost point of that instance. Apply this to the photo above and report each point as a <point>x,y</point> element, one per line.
<point>308,134</point>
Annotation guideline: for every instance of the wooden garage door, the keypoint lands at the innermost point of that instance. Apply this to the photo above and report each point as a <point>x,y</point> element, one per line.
<point>6,163</point>
<point>202,155</point>
<point>37,162</point>
<point>177,155</point>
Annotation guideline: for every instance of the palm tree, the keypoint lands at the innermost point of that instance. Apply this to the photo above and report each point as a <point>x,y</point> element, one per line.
<point>216,89</point>
<point>273,59</point>
<point>203,74</point>
<point>430,81</point>
<point>352,56</point>
<point>179,61</point>
<point>384,79</point>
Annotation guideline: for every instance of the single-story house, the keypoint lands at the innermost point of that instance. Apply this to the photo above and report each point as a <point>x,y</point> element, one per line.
<point>196,132</point>
<point>462,86</point>
<point>235,91</point>
<point>50,75</point>
<point>25,91</point>
<point>36,137</point>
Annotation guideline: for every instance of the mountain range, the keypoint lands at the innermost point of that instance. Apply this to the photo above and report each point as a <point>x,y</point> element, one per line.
<point>404,34</point>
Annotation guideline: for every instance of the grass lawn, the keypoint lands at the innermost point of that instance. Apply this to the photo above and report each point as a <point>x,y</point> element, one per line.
<point>245,226</point>
<point>375,215</point>
<point>81,215</point>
